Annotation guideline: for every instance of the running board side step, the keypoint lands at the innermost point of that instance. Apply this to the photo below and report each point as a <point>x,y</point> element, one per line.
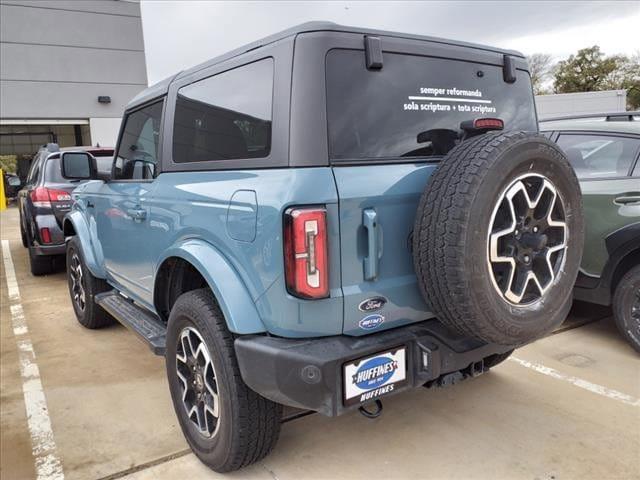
<point>142,322</point>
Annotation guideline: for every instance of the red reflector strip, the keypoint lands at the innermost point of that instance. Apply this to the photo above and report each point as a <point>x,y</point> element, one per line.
<point>45,235</point>
<point>305,245</point>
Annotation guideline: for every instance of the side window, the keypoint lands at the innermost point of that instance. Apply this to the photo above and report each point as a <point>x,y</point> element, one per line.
<point>35,169</point>
<point>227,116</point>
<point>599,156</point>
<point>137,156</point>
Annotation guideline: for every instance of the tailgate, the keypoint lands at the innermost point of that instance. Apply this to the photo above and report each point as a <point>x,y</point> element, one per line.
<point>388,127</point>
<point>377,210</point>
<point>61,204</point>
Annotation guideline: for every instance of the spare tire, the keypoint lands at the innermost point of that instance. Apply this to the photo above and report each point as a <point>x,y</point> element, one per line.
<point>498,237</point>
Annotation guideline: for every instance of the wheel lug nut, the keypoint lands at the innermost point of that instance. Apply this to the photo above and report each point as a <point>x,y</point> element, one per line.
<point>526,258</point>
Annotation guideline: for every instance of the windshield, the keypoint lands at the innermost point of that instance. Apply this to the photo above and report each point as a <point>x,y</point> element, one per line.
<point>413,106</point>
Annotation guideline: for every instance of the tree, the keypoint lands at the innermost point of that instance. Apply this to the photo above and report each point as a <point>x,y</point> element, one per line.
<point>540,66</point>
<point>8,163</point>
<point>627,77</point>
<point>587,71</point>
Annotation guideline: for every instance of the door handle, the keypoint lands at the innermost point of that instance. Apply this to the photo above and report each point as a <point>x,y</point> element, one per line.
<point>90,204</point>
<point>370,223</point>
<point>138,214</point>
<point>627,199</point>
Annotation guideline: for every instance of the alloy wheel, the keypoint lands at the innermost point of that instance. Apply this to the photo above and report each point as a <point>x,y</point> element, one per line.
<point>77,282</point>
<point>195,370</point>
<point>527,239</point>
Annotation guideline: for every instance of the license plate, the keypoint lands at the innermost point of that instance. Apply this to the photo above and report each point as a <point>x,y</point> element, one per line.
<point>369,378</point>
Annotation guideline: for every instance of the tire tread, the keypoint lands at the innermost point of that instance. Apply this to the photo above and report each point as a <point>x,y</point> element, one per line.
<point>257,426</point>
<point>441,232</point>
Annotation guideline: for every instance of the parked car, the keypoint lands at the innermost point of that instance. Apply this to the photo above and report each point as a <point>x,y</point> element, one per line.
<point>11,185</point>
<point>46,198</point>
<point>324,225</point>
<point>604,152</point>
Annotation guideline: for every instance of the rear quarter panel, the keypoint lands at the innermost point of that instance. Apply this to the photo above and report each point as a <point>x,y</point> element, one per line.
<point>218,207</point>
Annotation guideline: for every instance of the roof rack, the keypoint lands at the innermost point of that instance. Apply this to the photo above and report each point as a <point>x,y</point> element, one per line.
<point>609,117</point>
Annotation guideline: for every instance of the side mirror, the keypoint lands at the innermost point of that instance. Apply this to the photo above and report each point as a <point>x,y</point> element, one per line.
<point>14,181</point>
<point>78,166</point>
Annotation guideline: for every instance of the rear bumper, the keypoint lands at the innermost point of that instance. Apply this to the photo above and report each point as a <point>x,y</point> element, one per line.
<point>49,249</point>
<point>307,373</point>
<point>57,245</point>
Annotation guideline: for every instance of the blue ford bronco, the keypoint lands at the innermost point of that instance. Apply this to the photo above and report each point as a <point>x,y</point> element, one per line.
<point>322,218</point>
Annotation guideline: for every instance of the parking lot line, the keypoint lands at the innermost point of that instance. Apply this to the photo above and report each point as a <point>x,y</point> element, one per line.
<point>578,382</point>
<point>43,445</point>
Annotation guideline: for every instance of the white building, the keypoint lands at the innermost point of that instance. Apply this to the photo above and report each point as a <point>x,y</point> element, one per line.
<point>562,104</point>
<point>67,70</point>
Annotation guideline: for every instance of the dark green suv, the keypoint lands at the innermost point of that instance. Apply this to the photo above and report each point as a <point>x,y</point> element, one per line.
<point>604,152</point>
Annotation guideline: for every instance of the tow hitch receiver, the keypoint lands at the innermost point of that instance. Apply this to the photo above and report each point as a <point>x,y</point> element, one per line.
<point>474,370</point>
<point>371,413</point>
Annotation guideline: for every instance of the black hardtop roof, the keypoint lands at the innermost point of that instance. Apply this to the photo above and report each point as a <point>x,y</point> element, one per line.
<point>161,87</point>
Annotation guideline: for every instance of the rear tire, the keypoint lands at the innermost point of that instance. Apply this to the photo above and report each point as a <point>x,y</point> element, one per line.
<point>626,307</point>
<point>83,287</point>
<point>501,209</point>
<point>40,264</point>
<point>247,425</point>
<point>23,236</point>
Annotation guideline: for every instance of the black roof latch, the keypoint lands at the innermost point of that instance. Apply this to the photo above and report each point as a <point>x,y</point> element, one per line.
<point>508,69</point>
<point>373,52</point>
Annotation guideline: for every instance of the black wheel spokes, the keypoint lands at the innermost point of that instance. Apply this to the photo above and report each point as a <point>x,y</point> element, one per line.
<point>77,282</point>
<point>527,239</point>
<point>199,385</point>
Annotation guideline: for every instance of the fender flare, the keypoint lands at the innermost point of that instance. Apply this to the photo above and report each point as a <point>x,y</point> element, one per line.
<point>83,232</point>
<point>228,288</point>
<point>620,244</point>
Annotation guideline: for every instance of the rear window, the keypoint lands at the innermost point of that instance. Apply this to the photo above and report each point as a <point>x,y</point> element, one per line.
<point>378,114</point>
<point>104,164</point>
<point>54,169</point>
<point>53,172</point>
<point>104,159</point>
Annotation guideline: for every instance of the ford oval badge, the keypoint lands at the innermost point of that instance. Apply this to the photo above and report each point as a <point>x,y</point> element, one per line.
<point>372,304</point>
<point>371,321</point>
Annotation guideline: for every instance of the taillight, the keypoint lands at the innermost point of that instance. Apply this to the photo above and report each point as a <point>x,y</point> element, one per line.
<point>59,195</point>
<point>480,125</point>
<point>45,235</point>
<point>305,252</point>
<point>42,197</point>
<point>488,123</point>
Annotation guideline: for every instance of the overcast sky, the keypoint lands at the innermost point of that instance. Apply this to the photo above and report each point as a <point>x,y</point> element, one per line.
<point>180,34</point>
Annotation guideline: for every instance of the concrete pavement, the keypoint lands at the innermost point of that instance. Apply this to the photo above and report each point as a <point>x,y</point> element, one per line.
<point>111,415</point>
